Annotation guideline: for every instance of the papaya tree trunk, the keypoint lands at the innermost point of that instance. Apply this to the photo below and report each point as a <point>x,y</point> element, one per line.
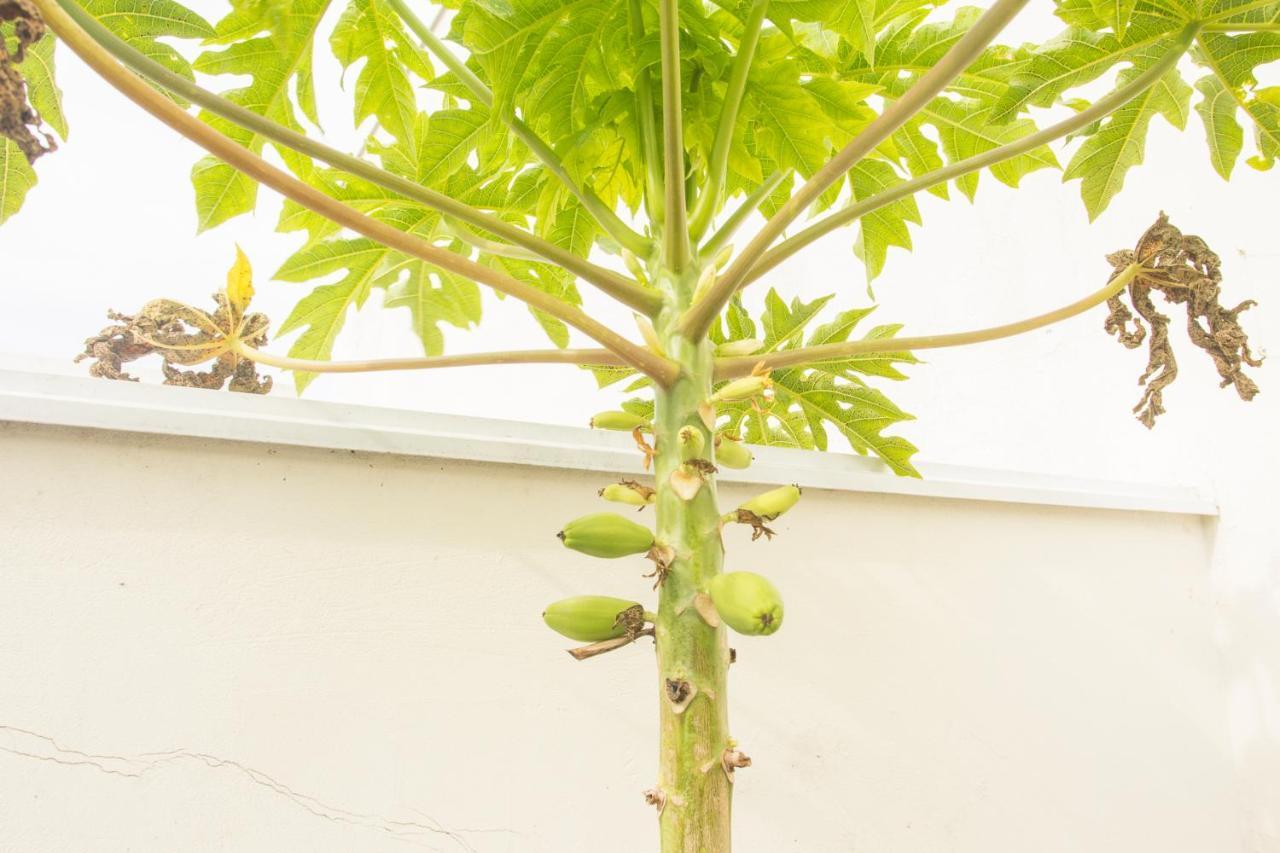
<point>694,786</point>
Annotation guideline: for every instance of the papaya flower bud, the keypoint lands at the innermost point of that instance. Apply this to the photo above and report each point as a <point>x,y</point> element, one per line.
<point>744,347</point>
<point>634,266</point>
<point>692,442</point>
<point>742,389</point>
<point>628,492</point>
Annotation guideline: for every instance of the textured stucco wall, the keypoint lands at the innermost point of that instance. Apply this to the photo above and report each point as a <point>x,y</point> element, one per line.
<point>210,646</point>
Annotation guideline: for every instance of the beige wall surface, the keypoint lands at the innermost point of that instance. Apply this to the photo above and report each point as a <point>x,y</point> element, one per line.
<point>212,646</point>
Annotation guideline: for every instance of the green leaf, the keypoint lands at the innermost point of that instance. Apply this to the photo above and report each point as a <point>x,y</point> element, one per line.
<point>809,400</point>
<point>1074,58</point>
<point>42,89</point>
<point>1233,62</point>
<point>1105,157</point>
<point>272,44</point>
<point>1116,13</point>
<point>370,30</point>
<point>323,312</point>
<point>790,125</point>
<point>16,179</point>
<point>431,300</point>
<point>1218,108</point>
<point>784,324</point>
<point>886,227</point>
<point>143,22</point>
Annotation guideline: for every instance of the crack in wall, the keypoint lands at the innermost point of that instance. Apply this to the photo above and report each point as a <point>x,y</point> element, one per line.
<point>25,743</point>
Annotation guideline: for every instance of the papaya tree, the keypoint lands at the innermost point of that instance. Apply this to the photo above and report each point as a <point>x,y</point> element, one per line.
<point>671,154</point>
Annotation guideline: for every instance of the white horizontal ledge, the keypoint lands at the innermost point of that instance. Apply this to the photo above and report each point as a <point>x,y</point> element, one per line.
<point>41,398</point>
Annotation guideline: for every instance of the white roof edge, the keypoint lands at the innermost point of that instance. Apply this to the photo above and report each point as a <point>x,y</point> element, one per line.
<point>59,400</point>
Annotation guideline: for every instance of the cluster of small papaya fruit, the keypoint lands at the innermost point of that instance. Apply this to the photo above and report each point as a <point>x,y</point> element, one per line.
<point>747,602</point>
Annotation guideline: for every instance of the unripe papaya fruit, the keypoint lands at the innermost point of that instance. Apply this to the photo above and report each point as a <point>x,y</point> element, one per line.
<point>588,618</point>
<point>607,535</point>
<point>747,602</point>
<point>774,502</point>
<point>732,453</point>
<point>624,421</point>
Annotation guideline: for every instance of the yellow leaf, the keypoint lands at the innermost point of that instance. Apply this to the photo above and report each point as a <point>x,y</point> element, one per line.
<point>240,283</point>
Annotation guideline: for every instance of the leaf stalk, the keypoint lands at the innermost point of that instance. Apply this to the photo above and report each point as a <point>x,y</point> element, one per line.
<point>675,233</point>
<point>712,195</point>
<point>1099,110</point>
<point>963,53</point>
<point>580,357</point>
<point>730,368</point>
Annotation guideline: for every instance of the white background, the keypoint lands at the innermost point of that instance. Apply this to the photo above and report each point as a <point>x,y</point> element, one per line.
<point>112,222</point>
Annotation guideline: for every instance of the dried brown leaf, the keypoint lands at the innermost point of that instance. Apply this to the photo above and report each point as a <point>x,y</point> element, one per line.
<point>19,121</point>
<point>1185,271</point>
<point>182,336</point>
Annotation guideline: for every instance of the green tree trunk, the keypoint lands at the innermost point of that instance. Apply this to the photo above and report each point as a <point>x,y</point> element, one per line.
<point>693,656</point>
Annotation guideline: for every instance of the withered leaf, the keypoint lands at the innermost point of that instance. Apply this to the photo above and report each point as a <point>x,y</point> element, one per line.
<point>1185,271</point>
<point>182,336</point>
<point>19,121</point>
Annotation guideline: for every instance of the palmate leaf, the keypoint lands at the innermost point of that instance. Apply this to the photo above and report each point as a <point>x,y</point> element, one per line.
<point>1075,57</point>
<point>1120,143</point>
<point>887,226</point>
<point>272,43</point>
<point>810,401</point>
<point>143,22</point>
<point>323,312</point>
<point>1229,89</point>
<point>370,30</point>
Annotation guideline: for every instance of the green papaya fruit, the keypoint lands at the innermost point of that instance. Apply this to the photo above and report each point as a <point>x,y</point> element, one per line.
<point>747,602</point>
<point>607,535</point>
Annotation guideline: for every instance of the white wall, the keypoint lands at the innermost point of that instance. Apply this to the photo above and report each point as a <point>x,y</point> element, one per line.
<point>220,646</point>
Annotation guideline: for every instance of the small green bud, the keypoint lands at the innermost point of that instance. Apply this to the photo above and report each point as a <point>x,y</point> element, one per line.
<point>628,492</point>
<point>588,618</point>
<point>705,279</point>
<point>722,257</point>
<point>607,535</point>
<point>636,268</point>
<point>774,502</point>
<point>747,602</point>
<point>732,453</point>
<point>692,442</point>
<point>623,421</point>
<point>742,389</point>
<point>650,334</point>
<point>744,347</point>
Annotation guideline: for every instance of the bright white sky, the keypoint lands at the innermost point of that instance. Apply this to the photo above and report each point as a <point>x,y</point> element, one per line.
<point>112,224</point>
